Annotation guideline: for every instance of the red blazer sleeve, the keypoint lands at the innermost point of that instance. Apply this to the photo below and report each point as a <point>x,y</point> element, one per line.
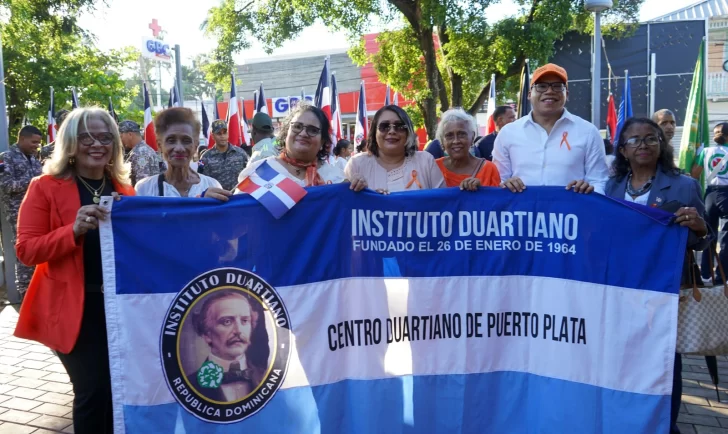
<point>36,242</point>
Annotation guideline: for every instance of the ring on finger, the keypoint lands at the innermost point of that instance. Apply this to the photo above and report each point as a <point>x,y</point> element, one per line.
<point>88,220</point>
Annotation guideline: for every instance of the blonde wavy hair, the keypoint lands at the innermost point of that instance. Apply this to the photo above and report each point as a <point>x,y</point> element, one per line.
<point>66,146</point>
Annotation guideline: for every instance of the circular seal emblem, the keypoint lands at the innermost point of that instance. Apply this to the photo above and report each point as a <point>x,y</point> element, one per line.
<point>225,345</point>
<point>715,162</point>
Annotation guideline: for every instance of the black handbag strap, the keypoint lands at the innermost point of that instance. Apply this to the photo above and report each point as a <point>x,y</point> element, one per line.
<point>160,184</point>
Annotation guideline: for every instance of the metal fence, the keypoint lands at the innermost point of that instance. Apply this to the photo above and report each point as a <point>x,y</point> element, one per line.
<point>675,45</point>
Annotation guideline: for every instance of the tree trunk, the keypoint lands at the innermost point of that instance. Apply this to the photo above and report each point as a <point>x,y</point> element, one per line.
<point>456,80</point>
<point>424,37</point>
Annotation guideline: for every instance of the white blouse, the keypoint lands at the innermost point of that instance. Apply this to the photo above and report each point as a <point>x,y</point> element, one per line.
<point>148,187</point>
<point>330,174</point>
<point>642,200</point>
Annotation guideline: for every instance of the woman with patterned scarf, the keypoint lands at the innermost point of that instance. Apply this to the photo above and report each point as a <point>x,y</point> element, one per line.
<point>302,143</point>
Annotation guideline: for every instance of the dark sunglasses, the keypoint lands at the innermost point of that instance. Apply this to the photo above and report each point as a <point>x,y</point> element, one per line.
<point>88,139</point>
<point>399,127</point>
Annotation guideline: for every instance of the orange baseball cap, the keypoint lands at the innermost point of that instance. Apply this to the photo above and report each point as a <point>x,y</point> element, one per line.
<point>549,68</point>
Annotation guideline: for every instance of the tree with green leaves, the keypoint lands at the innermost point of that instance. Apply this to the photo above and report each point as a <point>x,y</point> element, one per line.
<point>443,53</point>
<point>43,47</point>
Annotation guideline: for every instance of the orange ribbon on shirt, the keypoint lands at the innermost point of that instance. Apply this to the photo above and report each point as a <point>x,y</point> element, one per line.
<point>414,181</point>
<point>565,140</point>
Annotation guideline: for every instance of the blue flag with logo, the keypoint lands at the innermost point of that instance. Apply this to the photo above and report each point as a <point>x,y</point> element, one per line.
<point>422,312</point>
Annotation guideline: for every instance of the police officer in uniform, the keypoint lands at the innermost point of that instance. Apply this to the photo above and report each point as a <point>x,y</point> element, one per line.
<point>20,165</point>
<point>224,162</point>
<point>144,161</point>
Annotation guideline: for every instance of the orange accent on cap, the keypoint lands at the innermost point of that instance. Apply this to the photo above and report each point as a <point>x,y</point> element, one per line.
<point>549,68</point>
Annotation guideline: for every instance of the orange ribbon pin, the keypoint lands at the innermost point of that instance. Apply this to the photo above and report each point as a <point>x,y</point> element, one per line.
<point>565,140</point>
<point>414,180</point>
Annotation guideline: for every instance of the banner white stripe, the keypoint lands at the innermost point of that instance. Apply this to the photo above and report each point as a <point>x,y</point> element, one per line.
<point>620,325</point>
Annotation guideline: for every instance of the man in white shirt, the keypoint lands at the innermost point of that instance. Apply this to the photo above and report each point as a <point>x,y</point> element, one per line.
<point>550,146</point>
<point>713,162</point>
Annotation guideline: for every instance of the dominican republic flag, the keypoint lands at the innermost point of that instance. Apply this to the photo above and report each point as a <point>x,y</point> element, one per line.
<point>52,119</point>
<point>112,112</point>
<point>395,99</point>
<point>611,120</point>
<point>262,104</point>
<point>625,106</point>
<point>322,99</point>
<point>150,136</point>
<point>490,127</point>
<point>276,192</point>
<point>74,99</point>
<point>205,122</point>
<point>233,116</point>
<point>210,136</point>
<point>244,127</point>
<point>255,102</point>
<point>386,96</point>
<point>335,113</point>
<point>477,339</point>
<point>361,130</point>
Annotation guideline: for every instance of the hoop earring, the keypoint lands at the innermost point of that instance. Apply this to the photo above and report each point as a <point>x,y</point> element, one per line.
<point>72,161</point>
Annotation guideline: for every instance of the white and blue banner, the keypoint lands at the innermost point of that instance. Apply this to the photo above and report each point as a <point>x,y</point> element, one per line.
<point>435,311</point>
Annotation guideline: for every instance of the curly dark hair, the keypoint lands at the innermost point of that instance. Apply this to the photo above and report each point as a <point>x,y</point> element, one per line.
<point>301,108</point>
<point>410,146</point>
<point>666,159</point>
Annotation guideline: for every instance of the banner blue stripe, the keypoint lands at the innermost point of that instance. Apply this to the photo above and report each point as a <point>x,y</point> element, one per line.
<point>611,236</point>
<point>521,403</point>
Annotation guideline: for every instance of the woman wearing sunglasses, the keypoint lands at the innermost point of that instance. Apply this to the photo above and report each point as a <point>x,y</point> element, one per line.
<point>302,143</point>
<point>393,163</point>
<point>58,232</point>
<point>645,173</point>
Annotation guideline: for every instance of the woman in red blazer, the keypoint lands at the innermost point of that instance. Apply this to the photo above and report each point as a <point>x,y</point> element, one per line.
<point>58,233</point>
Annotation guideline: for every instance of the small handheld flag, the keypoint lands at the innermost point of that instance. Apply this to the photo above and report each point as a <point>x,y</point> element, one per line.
<point>611,119</point>
<point>246,130</point>
<point>386,96</point>
<point>277,193</point>
<point>361,130</point>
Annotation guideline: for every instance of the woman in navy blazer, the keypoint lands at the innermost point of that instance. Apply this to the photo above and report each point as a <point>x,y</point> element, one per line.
<point>644,172</point>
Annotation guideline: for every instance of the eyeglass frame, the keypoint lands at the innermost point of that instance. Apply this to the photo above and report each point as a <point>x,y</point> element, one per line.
<point>80,139</point>
<point>306,128</point>
<point>549,86</point>
<point>641,141</point>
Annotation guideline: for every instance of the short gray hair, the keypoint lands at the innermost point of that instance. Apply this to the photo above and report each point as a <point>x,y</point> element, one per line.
<point>455,115</point>
<point>658,113</point>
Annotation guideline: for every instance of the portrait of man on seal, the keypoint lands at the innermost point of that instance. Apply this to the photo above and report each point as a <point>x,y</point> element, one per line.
<point>232,325</point>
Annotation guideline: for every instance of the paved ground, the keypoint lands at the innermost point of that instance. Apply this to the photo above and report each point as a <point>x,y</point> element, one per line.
<point>36,397</point>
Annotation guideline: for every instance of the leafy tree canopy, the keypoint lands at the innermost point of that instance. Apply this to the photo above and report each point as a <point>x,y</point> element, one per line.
<point>442,56</point>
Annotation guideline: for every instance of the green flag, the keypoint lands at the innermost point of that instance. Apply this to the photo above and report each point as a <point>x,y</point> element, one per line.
<point>696,133</point>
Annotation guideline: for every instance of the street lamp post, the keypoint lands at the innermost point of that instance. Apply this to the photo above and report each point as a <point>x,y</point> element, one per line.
<point>597,6</point>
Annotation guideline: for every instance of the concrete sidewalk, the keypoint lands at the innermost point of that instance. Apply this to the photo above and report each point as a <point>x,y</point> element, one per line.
<point>36,396</point>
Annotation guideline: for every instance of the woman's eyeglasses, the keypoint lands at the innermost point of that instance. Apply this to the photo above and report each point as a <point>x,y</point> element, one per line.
<point>88,139</point>
<point>635,142</point>
<point>399,127</point>
<point>311,131</point>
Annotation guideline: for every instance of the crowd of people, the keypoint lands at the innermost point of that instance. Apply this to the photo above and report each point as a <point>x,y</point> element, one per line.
<point>57,213</point>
